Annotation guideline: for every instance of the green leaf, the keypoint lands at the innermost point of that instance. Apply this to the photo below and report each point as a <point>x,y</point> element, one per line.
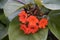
<point>3,19</point>
<point>2,3</point>
<point>54,23</point>
<point>5,38</point>
<point>51,4</point>
<point>3,31</point>
<point>4,22</point>
<point>10,9</point>
<point>15,33</point>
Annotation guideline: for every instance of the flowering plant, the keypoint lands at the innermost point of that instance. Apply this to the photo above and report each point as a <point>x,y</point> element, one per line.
<point>31,22</point>
<point>30,19</point>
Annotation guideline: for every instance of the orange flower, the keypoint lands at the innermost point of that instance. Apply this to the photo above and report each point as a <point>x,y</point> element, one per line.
<point>32,20</point>
<point>33,28</point>
<point>43,22</point>
<point>25,29</point>
<point>22,16</point>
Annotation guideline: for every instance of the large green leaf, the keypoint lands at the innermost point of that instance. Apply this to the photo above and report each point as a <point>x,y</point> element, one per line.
<point>5,38</point>
<point>54,23</point>
<point>16,34</point>
<point>2,3</point>
<point>3,26</point>
<point>3,19</point>
<point>10,9</point>
<point>3,31</point>
<point>52,4</point>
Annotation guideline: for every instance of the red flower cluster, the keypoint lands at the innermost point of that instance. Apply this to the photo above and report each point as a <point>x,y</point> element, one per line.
<point>31,24</point>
